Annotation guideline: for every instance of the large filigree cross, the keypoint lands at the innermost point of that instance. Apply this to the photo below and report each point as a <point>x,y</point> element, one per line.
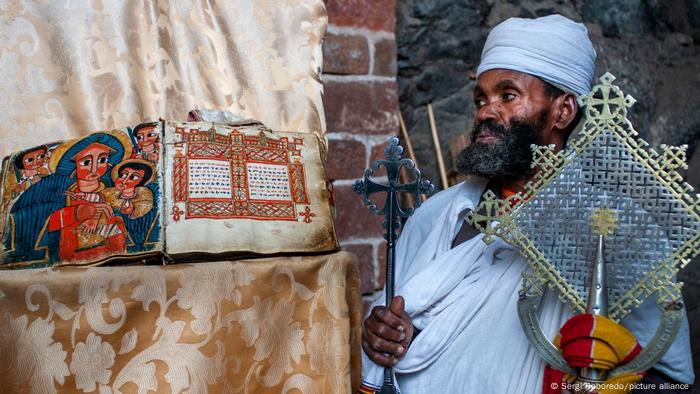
<point>607,223</point>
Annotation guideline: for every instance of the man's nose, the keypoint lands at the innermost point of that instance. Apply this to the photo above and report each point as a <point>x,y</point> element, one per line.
<point>489,111</point>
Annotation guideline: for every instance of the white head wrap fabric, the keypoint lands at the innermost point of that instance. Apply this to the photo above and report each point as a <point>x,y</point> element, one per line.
<point>552,47</point>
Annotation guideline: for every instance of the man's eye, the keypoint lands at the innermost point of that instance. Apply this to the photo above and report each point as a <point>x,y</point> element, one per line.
<point>150,135</point>
<point>40,157</point>
<point>29,160</point>
<point>86,162</point>
<point>102,160</point>
<point>139,137</point>
<point>135,177</point>
<point>508,96</point>
<point>479,103</point>
<point>123,175</point>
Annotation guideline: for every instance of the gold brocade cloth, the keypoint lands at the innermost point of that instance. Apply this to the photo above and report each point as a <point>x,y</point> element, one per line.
<point>273,325</point>
<point>68,68</point>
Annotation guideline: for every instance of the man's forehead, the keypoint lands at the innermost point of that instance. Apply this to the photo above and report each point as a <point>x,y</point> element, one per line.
<point>502,79</point>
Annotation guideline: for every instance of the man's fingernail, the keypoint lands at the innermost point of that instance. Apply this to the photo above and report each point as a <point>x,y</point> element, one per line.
<point>402,337</point>
<point>401,329</point>
<point>400,349</point>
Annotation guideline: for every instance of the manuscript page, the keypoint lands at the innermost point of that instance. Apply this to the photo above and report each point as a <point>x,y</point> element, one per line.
<point>244,189</point>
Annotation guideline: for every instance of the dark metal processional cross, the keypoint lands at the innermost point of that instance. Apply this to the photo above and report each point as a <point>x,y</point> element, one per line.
<point>392,212</point>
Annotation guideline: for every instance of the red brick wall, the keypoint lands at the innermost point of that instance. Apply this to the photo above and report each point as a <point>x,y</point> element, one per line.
<point>361,103</point>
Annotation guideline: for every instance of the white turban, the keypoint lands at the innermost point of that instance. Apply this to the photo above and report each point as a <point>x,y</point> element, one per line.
<point>552,47</point>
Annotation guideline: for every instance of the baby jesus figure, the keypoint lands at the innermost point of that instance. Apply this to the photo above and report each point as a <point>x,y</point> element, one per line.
<point>129,194</point>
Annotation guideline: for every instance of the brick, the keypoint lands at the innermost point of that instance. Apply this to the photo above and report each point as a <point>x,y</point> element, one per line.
<point>406,200</point>
<point>346,159</point>
<point>377,15</point>
<point>361,107</point>
<point>345,54</point>
<point>353,219</point>
<point>385,58</point>
<point>365,262</point>
<point>377,152</point>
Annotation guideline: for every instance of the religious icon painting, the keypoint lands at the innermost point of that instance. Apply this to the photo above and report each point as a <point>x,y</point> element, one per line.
<point>79,202</point>
<point>210,190</point>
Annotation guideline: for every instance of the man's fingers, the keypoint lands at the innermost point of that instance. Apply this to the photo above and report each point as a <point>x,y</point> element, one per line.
<point>384,337</point>
<point>397,306</point>
<point>378,357</point>
<point>382,330</point>
<point>385,315</point>
<point>382,345</point>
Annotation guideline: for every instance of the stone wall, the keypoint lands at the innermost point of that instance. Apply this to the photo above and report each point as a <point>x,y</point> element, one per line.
<point>361,103</point>
<point>652,47</point>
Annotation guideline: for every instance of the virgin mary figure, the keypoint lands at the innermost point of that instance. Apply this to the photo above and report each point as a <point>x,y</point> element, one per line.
<point>66,217</point>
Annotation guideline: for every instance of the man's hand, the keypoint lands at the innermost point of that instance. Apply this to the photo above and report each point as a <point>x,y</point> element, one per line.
<point>386,333</point>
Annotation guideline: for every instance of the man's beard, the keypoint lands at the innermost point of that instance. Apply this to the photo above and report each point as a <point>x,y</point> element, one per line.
<point>509,157</point>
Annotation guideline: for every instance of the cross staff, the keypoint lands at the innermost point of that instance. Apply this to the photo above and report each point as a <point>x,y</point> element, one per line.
<point>392,212</point>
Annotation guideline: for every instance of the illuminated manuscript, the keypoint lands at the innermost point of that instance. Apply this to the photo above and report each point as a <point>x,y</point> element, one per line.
<point>246,189</point>
<point>179,191</point>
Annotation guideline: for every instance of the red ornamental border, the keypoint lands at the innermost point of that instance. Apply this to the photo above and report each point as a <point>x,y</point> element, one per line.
<point>238,149</point>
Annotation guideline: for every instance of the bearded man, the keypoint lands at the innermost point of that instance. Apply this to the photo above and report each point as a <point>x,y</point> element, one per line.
<point>456,328</point>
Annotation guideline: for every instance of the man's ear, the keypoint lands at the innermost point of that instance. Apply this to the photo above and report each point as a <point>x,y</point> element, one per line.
<point>567,109</point>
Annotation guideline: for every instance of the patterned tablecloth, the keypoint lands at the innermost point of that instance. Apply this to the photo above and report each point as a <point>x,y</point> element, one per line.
<point>251,326</point>
<point>68,68</point>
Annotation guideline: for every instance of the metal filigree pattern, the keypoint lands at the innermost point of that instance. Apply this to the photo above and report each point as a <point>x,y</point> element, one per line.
<point>607,181</point>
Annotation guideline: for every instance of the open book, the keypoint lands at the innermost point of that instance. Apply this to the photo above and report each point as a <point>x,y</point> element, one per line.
<point>173,190</point>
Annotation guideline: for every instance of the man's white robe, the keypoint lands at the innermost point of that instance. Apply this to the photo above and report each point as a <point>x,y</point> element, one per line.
<point>464,301</point>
